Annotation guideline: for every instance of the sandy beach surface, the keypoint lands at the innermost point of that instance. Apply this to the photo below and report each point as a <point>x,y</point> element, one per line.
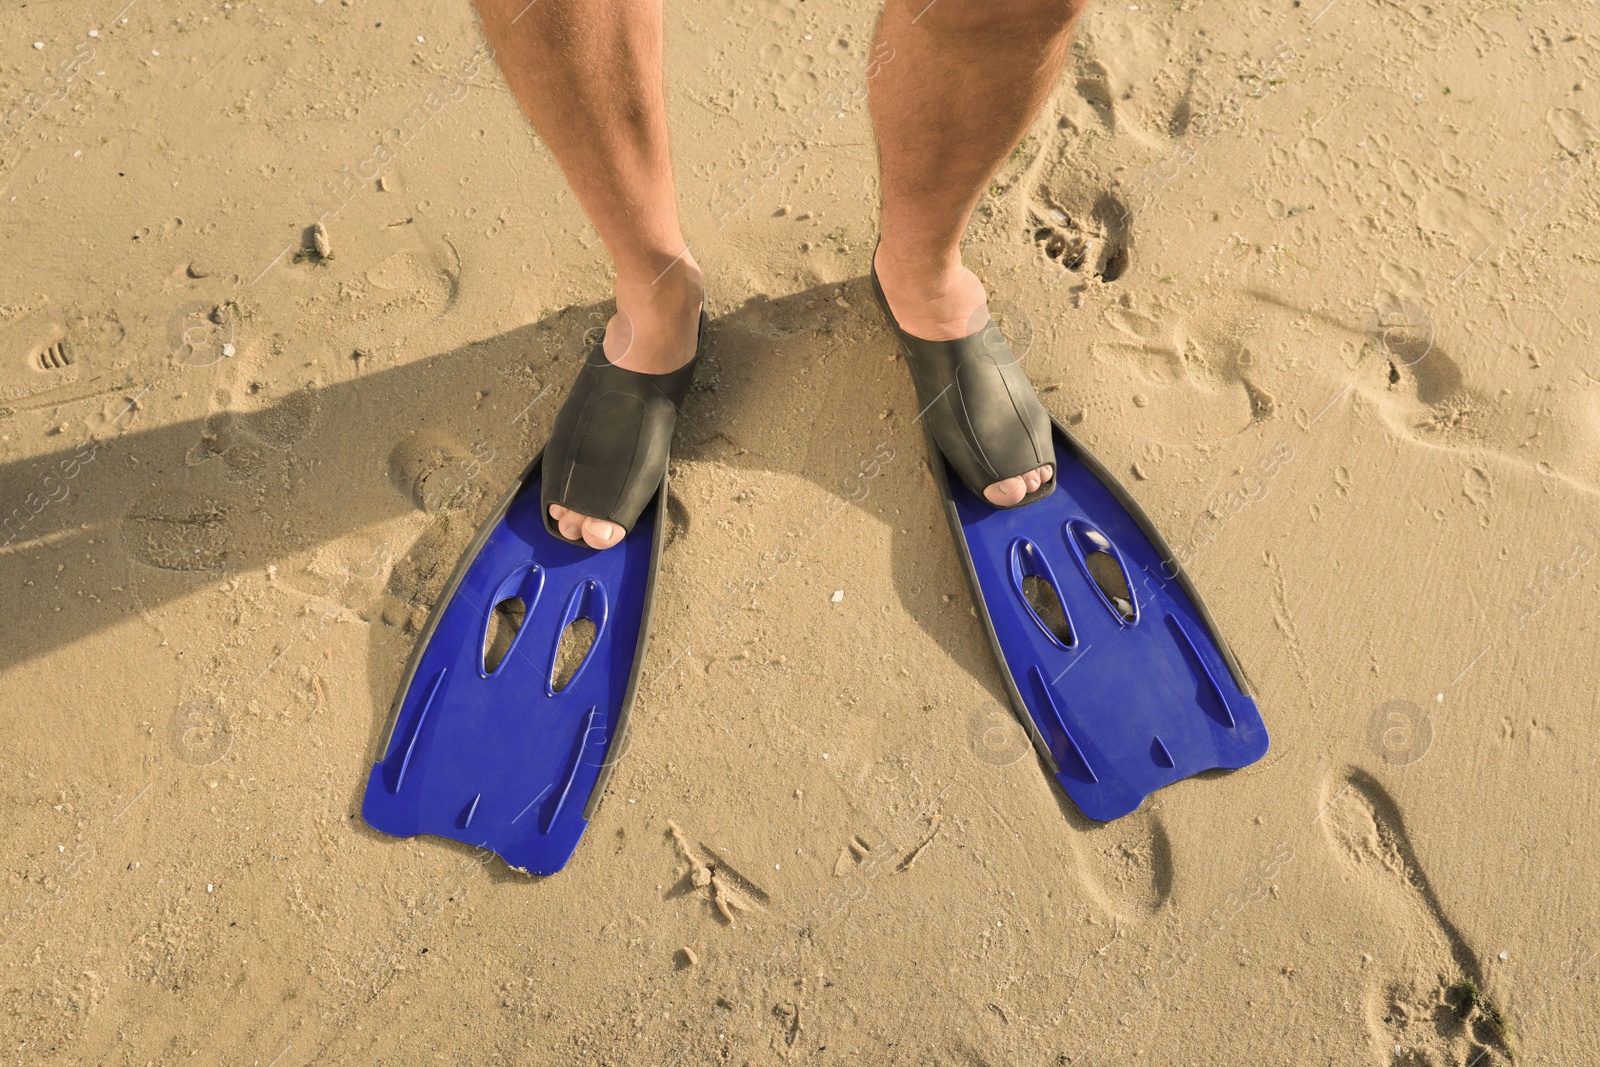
<point>1317,281</point>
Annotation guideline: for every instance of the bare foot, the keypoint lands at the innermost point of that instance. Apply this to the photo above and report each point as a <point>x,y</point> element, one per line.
<point>941,304</point>
<point>655,331</point>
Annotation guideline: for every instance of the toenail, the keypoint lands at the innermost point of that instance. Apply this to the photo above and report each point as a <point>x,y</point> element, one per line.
<point>604,530</point>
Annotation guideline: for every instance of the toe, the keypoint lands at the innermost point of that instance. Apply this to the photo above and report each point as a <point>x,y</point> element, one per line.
<point>570,523</point>
<point>1006,493</point>
<point>1011,491</point>
<point>598,533</point>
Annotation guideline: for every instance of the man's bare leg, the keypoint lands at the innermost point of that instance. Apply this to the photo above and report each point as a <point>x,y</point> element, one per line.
<point>965,80</point>
<point>588,74</point>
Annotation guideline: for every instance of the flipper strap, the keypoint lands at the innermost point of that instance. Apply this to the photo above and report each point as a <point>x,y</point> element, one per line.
<point>979,405</point>
<point>612,438</point>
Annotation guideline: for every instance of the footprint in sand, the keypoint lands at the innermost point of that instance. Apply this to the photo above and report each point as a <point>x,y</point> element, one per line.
<point>1403,337</point>
<point>1405,371</point>
<point>400,295</point>
<point>1419,389</point>
<point>1094,84</point>
<point>282,423</point>
<point>51,355</point>
<point>1183,111</point>
<point>54,349</point>
<point>1070,214</point>
<point>1125,865</point>
<point>1128,115</point>
<point>437,473</point>
<point>1423,1004</point>
<point>1571,129</point>
<point>179,530</point>
<point>244,441</point>
<point>1157,370</point>
<point>1423,392</point>
<point>1097,241</point>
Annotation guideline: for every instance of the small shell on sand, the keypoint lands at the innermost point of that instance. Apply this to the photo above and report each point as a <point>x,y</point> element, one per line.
<point>320,241</point>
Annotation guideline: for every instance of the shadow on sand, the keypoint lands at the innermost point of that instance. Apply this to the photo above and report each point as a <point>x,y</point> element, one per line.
<point>798,386</point>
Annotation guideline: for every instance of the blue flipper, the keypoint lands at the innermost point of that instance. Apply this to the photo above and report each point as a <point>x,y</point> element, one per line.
<point>500,759</point>
<point>1143,691</point>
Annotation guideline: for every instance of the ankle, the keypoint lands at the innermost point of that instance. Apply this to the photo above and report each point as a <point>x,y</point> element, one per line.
<point>660,278</point>
<point>656,327</point>
<point>909,269</point>
<point>666,295</point>
<point>932,301</point>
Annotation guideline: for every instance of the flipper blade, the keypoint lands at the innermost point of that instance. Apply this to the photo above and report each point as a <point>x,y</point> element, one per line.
<point>471,751</point>
<point>1148,693</point>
